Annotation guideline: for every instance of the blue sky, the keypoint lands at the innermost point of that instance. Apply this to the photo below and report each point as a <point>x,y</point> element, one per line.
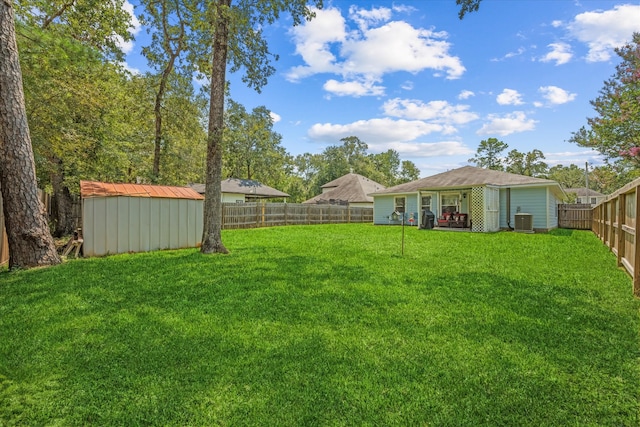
<point>409,75</point>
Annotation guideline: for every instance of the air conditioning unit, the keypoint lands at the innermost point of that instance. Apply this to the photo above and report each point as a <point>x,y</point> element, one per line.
<point>524,223</point>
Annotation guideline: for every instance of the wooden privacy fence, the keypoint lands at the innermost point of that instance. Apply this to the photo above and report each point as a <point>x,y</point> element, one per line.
<point>615,223</point>
<point>253,215</point>
<point>576,216</point>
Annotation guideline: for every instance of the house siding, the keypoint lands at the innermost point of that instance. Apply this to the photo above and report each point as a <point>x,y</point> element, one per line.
<point>384,206</point>
<point>553,201</point>
<point>525,200</point>
<point>232,197</point>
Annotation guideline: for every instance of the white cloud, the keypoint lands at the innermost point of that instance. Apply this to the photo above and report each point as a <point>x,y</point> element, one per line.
<point>127,67</point>
<point>466,94</point>
<point>507,124</point>
<point>365,18</point>
<point>275,118</point>
<point>560,53</point>
<point>313,42</point>
<point>424,149</point>
<point>555,95</point>
<point>397,46</point>
<point>605,30</point>
<point>408,85</point>
<point>567,158</point>
<point>353,88</point>
<point>509,97</point>
<point>134,29</point>
<point>377,131</point>
<point>519,52</point>
<point>374,49</point>
<point>433,111</point>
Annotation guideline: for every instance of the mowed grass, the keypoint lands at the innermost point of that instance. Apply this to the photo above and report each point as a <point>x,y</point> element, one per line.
<point>327,326</point>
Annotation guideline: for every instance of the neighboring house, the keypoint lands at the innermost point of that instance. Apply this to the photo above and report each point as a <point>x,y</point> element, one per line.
<point>350,189</point>
<point>491,199</point>
<point>235,190</point>
<point>586,196</point>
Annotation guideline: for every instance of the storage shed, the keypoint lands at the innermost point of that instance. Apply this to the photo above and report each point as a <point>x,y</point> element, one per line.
<point>119,218</point>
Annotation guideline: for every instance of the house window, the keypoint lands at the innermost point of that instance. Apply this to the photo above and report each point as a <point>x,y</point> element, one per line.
<point>399,203</point>
<point>425,203</point>
<point>450,203</point>
<point>593,200</point>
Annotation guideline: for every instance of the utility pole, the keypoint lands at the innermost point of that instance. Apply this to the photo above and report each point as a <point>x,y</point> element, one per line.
<point>586,178</point>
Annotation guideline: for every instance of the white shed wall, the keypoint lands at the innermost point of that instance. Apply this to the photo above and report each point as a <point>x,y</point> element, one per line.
<point>114,225</point>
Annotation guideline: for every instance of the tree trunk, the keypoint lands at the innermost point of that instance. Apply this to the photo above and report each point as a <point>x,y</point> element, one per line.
<point>30,242</point>
<point>61,203</point>
<point>212,227</point>
<point>157,110</point>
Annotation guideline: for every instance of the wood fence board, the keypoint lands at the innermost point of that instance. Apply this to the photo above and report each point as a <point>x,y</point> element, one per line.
<point>253,215</point>
<point>575,216</point>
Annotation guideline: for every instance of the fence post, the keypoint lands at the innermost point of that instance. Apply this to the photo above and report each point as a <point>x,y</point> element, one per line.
<point>636,256</point>
<point>622,214</point>
<point>257,214</point>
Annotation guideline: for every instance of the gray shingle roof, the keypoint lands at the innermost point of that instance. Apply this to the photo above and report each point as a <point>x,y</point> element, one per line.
<point>248,187</point>
<point>467,176</point>
<point>351,188</point>
<point>583,191</point>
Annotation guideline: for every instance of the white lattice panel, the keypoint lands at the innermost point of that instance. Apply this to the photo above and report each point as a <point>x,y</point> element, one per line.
<point>485,205</point>
<point>477,209</point>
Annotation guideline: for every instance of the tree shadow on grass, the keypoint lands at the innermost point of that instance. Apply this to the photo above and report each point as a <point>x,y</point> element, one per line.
<point>295,340</point>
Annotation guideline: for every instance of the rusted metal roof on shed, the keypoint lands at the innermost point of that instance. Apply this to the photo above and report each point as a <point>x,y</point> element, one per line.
<point>108,189</point>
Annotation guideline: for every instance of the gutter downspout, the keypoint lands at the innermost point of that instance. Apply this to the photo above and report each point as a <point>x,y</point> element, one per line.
<point>509,209</point>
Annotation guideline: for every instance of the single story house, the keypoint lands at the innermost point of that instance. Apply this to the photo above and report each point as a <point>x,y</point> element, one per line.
<point>350,189</point>
<point>490,200</point>
<point>586,195</point>
<point>235,190</point>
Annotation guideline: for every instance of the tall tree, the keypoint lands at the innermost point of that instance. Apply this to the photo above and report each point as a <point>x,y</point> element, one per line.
<point>409,172</point>
<point>488,154</point>
<point>169,22</point>
<point>615,130</point>
<point>96,23</point>
<point>570,176</point>
<point>607,178</point>
<point>305,183</point>
<point>252,150</point>
<point>30,242</point>
<point>467,6</point>
<point>383,168</point>
<point>67,48</point>
<point>237,34</point>
<point>529,164</point>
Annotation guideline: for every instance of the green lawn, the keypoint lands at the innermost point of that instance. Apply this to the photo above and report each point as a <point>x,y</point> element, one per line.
<point>327,325</point>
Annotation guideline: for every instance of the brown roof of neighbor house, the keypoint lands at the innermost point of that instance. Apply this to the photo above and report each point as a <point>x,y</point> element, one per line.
<point>468,176</point>
<point>107,189</point>
<point>351,188</point>
<point>583,191</point>
<point>248,187</point>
